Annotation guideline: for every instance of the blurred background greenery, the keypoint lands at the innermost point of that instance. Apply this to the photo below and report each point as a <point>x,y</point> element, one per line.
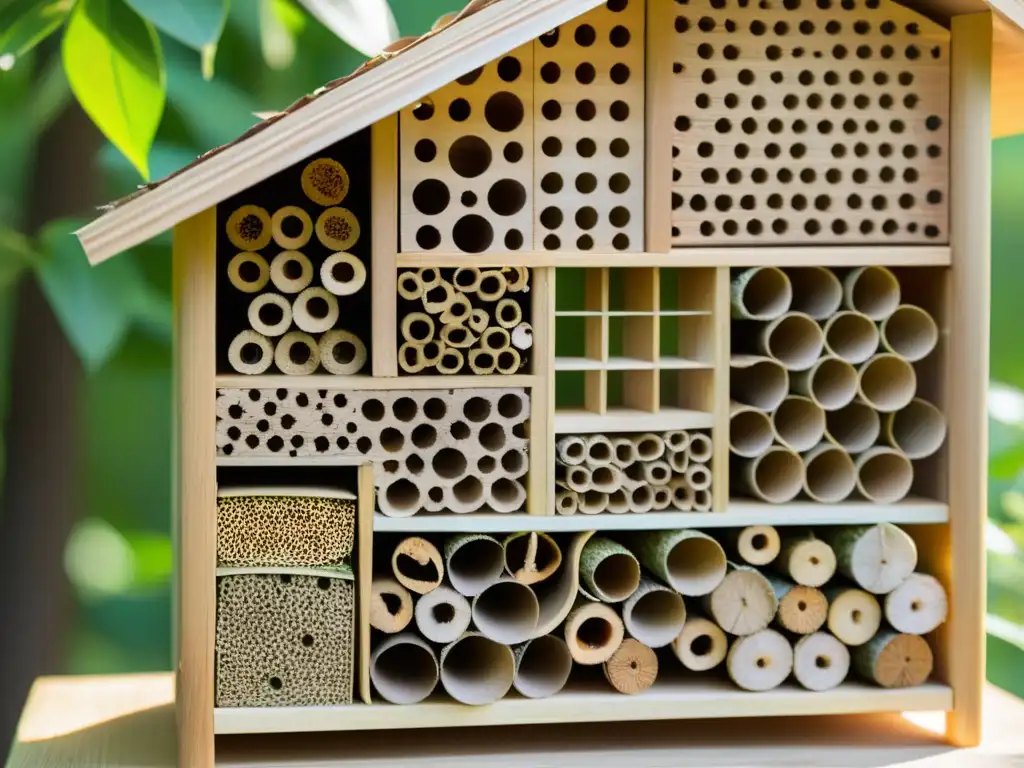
<point>85,356</point>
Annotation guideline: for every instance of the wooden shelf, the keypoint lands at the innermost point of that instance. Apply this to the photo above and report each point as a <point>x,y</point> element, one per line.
<point>592,702</point>
<point>630,420</point>
<point>326,381</point>
<point>634,313</point>
<point>627,364</point>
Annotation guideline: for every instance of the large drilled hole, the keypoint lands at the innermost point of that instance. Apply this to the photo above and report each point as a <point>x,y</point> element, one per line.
<point>431,196</point>
<point>469,156</point>
<point>469,490</point>
<point>492,437</point>
<point>472,233</point>
<point>510,406</point>
<point>424,436</point>
<point>404,409</point>
<point>506,197</point>
<point>391,440</point>
<point>504,111</point>
<point>449,463</point>
<point>477,409</point>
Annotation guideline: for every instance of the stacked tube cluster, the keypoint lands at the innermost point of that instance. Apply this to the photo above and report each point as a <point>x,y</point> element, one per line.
<point>824,388</point>
<point>633,473</point>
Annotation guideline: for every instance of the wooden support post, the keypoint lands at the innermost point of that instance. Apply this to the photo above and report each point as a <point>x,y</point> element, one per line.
<point>195,283</point>
<point>720,397</point>
<point>540,498</point>
<point>384,215</point>
<point>364,576</point>
<point>658,172</point>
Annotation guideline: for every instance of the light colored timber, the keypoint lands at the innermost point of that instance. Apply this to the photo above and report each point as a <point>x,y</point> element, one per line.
<point>719,393</point>
<point>595,340</point>
<point>195,284</point>
<point>317,381</point>
<point>364,575</point>
<point>658,171</point>
<point>384,222</point>
<point>629,364</point>
<point>573,421</point>
<point>541,481</point>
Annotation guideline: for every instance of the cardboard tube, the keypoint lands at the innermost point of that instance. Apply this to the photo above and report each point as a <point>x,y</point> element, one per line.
<point>506,611</point>
<point>478,320</point>
<point>505,495</point>
<point>338,229</point>
<point>522,336</point>
<point>474,562</point>
<point>884,475</point>
<point>804,558</point>
<point>680,460</point>
<point>623,452</point>
<point>410,357</point>
<point>761,293</point>
<point>410,287</point>
<point>566,502</point>
<point>855,428</point>
<point>887,383</point>
<point>799,423</point>
<point>632,669</point>
<point>574,478</point>
<point>315,310</point>
<point>776,476</point>
<point>431,353</point>
<point>325,181</point>
<point>701,644</point>
<point>649,447</point>
<point>593,632</point>
<point>654,614</point>
<point>418,327</point>
<point>909,332</point>
<point>802,610</point>
<point>682,494</point>
<point>250,353</point>
<point>390,605</point>
<point>556,595</point>
<point>851,336</point>
<point>482,361</point>
<point>641,499</point>
<point>701,447</point>
<point>442,615</point>
<point>831,383</point>
<point>270,314</point>
<point>542,666</point>
<point>291,271</point>
<point>571,450</point>
<point>438,297</point>
<point>829,474</point>
<point>795,340</point>
<point>248,272</point>
<point>417,565</point>
<point>759,382</point>
<point>605,478</point>
<point>676,440</point>
<point>873,291</point>
<point>403,669</point>
<point>657,472</point>
<point>618,502</point>
<point>744,603</point>
<point>816,291</point>
<point>297,354</point>
<point>698,477</point>
<point>476,670</point>
<point>508,313</point>
<point>342,353</point>
<point>609,572</point>
<point>820,661</point>
<point>466,279</point>
<point>876,557</point>
<point>894,660</point>
<point>248,228</point>
<point>451,361</point>
<point>458,311</point>
<point>918,430</point>
<point>760,661</point>
<point>750,431</point>
<point>342,274</point>
<point>917,606</point>
<point>593,502</point>
<point>702,500</point>
<point>853,615</point>
<point>495,339</point>
<point>754,544</point>
<point>492,285</point>
<point>531,557</point>
<point>690,562</point>
<point>599,450</point>
<point>508,362</point>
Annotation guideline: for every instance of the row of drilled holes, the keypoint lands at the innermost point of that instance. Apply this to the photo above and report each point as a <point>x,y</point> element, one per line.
<point>812,227</point>
<point>798,202</point>
<point>706,149</point>
<point>810,176</point>
<point>585,242</point>
<point>585,73</point>
<point>586,110</point>
<point>805,27</point>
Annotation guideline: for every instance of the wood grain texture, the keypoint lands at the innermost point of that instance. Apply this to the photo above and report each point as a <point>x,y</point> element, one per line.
<point>364,575</point>
<point>384,215</point>
<point>720,408</point>
<point>540,498</point>
<point>658,170</point>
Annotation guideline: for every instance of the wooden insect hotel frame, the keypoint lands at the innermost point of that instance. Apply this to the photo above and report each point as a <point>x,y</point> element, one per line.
<point>590,360</point>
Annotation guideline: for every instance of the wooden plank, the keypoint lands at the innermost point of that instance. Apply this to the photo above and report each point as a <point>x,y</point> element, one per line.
<point>364,575</point>
<point>540,496</point>
<point>384,271</point>
<point>572,421</point>
<point>195,281</point>
<point>720,431</point>
<point>322,381</point>
<point>658,172</point>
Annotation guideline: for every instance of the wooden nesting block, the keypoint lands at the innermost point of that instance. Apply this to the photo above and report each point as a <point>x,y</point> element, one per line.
<point>284,640</point>
<point>802,123</point>
<point>589,124</point>
<point>271,527</point>
<point>467,161</point>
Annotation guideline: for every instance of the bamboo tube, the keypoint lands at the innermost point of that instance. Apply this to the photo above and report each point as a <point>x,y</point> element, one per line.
<point>917,431</point>
<point>854,428</point>
<point>605,478</point>
<point>343,274</point>
<point>338,229</point>
<point>531,557</point>
<point>760,661</point>
<point>315,310</point>
<point>799,423</point>
<point>676,440</point>
<point>466,279</point>
<point>851,336</point>
<point>701,644</point>
<point>403,669</point>
<point>482,362</point>
<point>608,570</point>
<point>543,665</point>
<point>473,562</point>
<point>618,502</point>
<point>909,332</point>
<point>802,610</point>
<point>690,562</point>
<point>820,661</point>
<point>557,595</point>
<point>598,450</point>
<point>571,450</point>
<point>431,353</point>
<point>649,447</point>
<point>633,476</point>
<point>457,336</point>
<point>495,339</point>
<point>291,271</point>
<point>853,615</point>
<point>248,228</point>
<point>877,557</point>
<point>325,181</point>
<point>438,298</point>
<point>478,320</point>
<point>658,472</point>
<point>250,353</point>
<point>458,311</point>
<point>795,340</point>
<point>750,431</point>
<point>754,544</point>
<point>522,336</point>
<point>641,499</point>
<point>873,291</point>
<point>442,615</point>
<point>430,277</point>
<point>390,605</point>
<point>476,670</point>
<point>411,358</point>
<point>831,383</point>
<point>654,614</point>
<point>297,354</point>
<point>248,272</point>
<point>573,478</point>
<point>884,476</point>
<point>805,559</point>
<point>776,476</point>
<point>508,313</point>
<point>761,293</point>
<point>894,660</point>
<point>623,452</point>
<point>632,669</point>
<point>566,502</point>
<point>702,500</point>
<point>680,460</point>
<point>829,474</point>
<point>508,362</point>
<point>270,314</point>
<point>887,383</point>
<point>759,382</point>
<point>701,449</point>
<point>492,285</point>
<point>593,502</point>
<point>593,632</point>
<point>417,565</point>
<point>816,291</point>
<point>517,279</point>
<point>451,361</point>
<point>342,353</point>
<point>698,477</point>
<point>506,611</point>
<point>744,603</point>
<point>917,606</point>
<point>410,287</point>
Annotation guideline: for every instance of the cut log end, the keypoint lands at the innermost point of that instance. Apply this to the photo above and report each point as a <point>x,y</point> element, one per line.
<point>632,668</point>
<point>761,661</point>
<point>820,661</point>
<point>810,562</point>
<point>701,645</point>
<point>744,603</point>
<point>853,616</point>
<point>390,606</point>
<point>917,606</point>
<point>895,660</point>
<point>802,610</point>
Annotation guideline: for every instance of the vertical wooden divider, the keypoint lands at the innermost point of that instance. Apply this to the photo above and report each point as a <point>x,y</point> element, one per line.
<point>658,172</point>
<point>384,216</point>
<point>364,577</point>
<point>720,386</point>
<point>195,311</point>
<point>596,339</point>
<point>540,496</point>
<point>641,337</point>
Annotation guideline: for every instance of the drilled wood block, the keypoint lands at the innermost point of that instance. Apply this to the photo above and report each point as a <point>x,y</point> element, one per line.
<point>467,161</point>
<point>804,122</point>
<point>589,123</point>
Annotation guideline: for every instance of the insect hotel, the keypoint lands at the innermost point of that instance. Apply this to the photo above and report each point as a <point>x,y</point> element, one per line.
<point>585,361</point>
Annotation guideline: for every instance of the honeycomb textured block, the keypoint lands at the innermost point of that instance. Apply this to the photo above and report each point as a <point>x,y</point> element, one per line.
<point>284,641</point>
<point>284,531</point>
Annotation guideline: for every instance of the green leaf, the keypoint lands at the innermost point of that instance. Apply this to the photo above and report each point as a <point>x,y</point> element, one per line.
<point>114,64</point>
<point>26,23</point>
<point>196,23</point>
<point>277,42</point>
<point>366,25</point>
